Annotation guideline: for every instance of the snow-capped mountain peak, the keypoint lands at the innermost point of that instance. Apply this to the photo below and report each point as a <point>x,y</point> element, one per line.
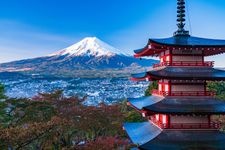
<point>90,54</point>
<point>90,46</point>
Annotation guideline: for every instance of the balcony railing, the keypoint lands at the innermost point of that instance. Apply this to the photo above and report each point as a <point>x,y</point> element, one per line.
<point>183,93</point>
<point>185,63</point>
<point>211,125</point>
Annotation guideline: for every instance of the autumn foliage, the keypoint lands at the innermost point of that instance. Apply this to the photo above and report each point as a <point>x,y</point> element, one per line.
<point>52,121</point>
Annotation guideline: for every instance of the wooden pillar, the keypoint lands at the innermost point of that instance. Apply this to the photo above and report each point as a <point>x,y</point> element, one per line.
<point>171,57</point>
<point>203,57</point>
<point>209,120</point>
<point>168,125</point>
<point>205,87</point>
<point>170,87</point>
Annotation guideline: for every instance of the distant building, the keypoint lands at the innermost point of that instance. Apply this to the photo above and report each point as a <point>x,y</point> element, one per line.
<point>180,110</point>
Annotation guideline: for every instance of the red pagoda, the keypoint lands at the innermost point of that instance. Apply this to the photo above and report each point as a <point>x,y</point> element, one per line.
<point>180,111</point>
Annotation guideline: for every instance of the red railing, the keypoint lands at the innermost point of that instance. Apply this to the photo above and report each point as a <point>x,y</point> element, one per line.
<point>211,125</point>
<point>183,93</point>
<point>185,63</point>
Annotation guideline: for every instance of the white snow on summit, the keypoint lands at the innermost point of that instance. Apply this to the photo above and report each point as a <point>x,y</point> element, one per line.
<point>90,46</point>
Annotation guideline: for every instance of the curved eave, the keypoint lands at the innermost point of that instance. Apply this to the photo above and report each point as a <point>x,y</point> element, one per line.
<point>147,78</point>
<point>151,49</point>
<point>150,110</point>
<point>148,52</point>
<point>142,77</point>
<point>140,103</point>
<point>186,73</point>
<point>189,41</point>
<point>141,133</point>
<point>183,106</point>
<point>148,136</point>
<point>155,46</point>
<point>186,139</point>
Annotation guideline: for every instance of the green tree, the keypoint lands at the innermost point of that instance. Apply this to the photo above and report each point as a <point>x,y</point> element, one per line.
<point>153,85</point>
<point>2,91</point>
<point>218,88</point>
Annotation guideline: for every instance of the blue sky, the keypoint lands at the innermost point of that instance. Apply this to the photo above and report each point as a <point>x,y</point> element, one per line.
<point>32,28</point>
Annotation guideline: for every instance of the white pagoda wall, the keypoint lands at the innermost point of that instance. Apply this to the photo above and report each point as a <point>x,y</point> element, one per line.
<point>189,119</point>
<point>191,88</point>
<point>187,58</point>
<point>164,56</point>
<point>187,52</point>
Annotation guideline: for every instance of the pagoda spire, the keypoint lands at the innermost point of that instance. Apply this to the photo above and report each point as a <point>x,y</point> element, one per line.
<point>181,18</point>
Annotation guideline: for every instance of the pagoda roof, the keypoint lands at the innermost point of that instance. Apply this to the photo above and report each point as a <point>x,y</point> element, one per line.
<point>187,140</point>
<point>179,105</point>
<point>148,136</point>
<point>141,133</point>
<point>155,46</point>
<point>140,103</point>
<point>182,73</point>
<point>140,76</point>
<point>186,40</point>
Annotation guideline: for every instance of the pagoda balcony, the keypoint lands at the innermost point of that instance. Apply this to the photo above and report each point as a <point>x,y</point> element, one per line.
<point>185,63</point>
<point>183,93</point>
<point>212,125</point>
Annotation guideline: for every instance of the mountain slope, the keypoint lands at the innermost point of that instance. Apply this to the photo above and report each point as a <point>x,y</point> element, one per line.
<point>88,54</point>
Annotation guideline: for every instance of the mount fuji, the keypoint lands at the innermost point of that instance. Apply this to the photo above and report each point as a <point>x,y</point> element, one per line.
<point>88,57</point>
<point>90,46</point>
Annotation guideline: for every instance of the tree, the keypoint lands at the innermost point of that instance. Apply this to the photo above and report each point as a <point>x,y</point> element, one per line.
<point>57,122</point>
<point>153,85</point>
<point>218,88</point>
<point>2,91</point>
<point>51,97</point>
<point>106,143</point>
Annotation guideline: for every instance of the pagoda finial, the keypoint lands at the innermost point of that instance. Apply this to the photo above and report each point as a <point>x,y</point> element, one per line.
<point>181,18</point>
